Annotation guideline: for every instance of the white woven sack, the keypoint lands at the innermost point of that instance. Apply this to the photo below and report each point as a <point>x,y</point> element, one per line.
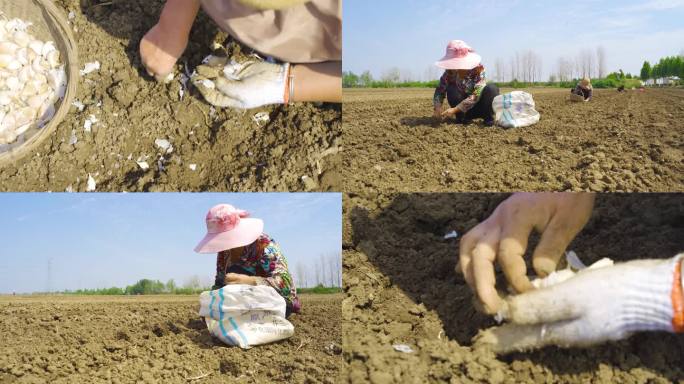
<point>245,315</point>
<point>515,109</point>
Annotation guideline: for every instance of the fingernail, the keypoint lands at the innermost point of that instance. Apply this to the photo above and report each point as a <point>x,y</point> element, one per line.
<point>543,266</point>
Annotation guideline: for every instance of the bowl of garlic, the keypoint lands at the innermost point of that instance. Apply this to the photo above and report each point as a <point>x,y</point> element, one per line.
<point>38,74</point>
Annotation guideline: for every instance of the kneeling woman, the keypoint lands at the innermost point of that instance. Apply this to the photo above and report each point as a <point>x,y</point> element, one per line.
<point>246,255</point>
<point>583,90</point>
<point>464,86</point>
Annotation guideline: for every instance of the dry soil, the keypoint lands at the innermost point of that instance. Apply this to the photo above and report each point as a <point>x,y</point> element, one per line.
<point>629,141</point>
<point>229,150</point>
<point>401,289</point>
<point>156,339</point>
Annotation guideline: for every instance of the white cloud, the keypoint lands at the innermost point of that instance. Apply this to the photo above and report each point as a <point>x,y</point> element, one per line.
<point>654,5</point>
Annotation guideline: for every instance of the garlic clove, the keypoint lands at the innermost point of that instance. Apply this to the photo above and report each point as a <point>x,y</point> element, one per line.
<point>21,38</point>
<point>25,75</point>
<point>24,116</point>
<point>5,60</point>
<point>53,59</point>
<point>8,122</point>
<point>40,78</point>
<point>29,90</point>
<point>36,65</point>
<point>57,80</point>
<point>21,56</point>
<point>46,113</point>
<point>13,84</point>
<point>8,48</point>
<point>36,47</point>
<point>22,129</point>
<point>14,65</point>
<point>5,98</point>
<point>36,101</point>
<point>8,137</point>
<point>47,48</point>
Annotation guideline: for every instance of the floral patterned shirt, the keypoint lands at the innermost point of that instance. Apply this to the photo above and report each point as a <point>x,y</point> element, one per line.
<point>469,88</point>
<point>265,260</point>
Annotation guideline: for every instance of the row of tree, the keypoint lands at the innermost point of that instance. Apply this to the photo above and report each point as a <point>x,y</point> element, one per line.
<point>666,67</point>
<point>147,287</point>
<point>527,67</point>
<point>524,66</point>
<point>325,271</point>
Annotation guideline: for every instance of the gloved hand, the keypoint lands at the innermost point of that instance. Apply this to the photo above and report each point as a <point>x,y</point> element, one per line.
<point>246,85</point>
<point>594,306</point>
<point>503,237</point>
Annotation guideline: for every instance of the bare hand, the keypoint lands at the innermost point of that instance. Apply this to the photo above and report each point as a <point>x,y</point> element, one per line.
<point>503,237</point>
<point>159,51</point>
<point>450,112</point>
<point>236,278</point>
<point>438,113</point>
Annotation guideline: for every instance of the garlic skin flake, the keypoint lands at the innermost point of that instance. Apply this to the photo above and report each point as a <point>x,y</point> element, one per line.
<point>90,67</point>
<point>32,80</point>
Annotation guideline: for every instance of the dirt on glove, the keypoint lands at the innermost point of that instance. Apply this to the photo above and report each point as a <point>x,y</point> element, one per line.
<point>629,141</point>
<point>156,339</point>
<point>401,288</point>
<point>213,149</point>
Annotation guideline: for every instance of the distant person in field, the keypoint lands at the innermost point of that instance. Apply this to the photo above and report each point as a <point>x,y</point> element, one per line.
<point>583,89</point>
<point>305,36</point>
<point>464,86</point>
<point>246,255</point>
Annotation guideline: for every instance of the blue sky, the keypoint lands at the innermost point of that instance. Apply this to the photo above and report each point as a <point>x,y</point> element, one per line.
<point>102,240</point>
<point>412,34</point>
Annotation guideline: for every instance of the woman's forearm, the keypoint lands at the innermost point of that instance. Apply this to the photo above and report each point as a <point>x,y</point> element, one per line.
<point>317,82</point>
<point>179,15</point>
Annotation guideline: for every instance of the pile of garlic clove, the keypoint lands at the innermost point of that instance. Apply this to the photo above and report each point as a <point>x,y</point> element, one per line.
<point>32,80</point>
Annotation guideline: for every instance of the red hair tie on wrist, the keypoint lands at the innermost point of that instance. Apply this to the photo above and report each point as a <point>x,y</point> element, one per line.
<point>678,300</point>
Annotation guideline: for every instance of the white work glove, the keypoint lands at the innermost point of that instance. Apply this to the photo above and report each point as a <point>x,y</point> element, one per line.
<point>245,85</point>
<point>594,306</point>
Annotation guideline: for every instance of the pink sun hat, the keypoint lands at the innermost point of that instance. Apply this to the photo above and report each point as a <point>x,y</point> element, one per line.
<point>459,55</point>
<point>228,228</point>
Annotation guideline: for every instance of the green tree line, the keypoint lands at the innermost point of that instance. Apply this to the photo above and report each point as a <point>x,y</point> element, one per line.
<point>666,67</point>
<point>366,80</point>
<point>145,287</point>
<point>156,287</point>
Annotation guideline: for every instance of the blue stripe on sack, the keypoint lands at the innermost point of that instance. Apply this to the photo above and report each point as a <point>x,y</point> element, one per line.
<point>512,119</point>
<point>211,304</point>
<point>223,329</point>
<point>509,118</point>
<point>237,329</point>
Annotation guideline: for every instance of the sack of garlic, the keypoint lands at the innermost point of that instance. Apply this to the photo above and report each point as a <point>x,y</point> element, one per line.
<point>32,80</point>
